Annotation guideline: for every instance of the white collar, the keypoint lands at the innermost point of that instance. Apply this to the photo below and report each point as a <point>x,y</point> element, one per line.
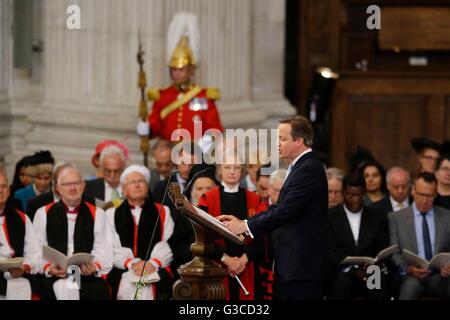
<point>250,185</point>
<point>230,190</point>
<point>180,179</point>
<point>395,203</point>
<point>119,187</point>
<point>352,214</point>
<point>301,155</point>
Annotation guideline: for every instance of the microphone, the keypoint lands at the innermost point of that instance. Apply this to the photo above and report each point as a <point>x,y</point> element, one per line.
<point>193,178</point>
<point>140,283</point>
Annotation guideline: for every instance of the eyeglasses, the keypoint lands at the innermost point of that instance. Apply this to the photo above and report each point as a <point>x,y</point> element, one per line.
<point>424,195</point>
<point>71,184</point>
<point>108,172</point>
<point>430,158</point>
<point>400,186</point>
<point>136,182</point>
<point>444,169</point>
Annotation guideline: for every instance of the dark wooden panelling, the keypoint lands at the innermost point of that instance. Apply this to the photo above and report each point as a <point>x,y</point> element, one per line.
<point>383,114</point>
<point>415,28</point>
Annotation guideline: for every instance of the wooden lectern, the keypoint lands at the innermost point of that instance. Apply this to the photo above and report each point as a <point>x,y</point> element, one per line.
<point>201,278</point>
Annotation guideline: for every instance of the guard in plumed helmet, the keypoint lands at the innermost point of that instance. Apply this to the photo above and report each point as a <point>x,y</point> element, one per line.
<point>183,103</point>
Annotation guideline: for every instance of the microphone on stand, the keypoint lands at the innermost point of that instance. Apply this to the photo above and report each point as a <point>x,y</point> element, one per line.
<point>140,284</point>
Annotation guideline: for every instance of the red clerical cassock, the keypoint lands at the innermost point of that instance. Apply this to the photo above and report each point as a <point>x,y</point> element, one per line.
<point>243,204</point>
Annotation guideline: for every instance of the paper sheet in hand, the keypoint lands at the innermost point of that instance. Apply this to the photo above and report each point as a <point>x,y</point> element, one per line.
<point>369,260</point>
<point>7,264</point>
<point>440,260</point>
<point>147,279</point>
<point>219,224</point>
<point>57,258</point>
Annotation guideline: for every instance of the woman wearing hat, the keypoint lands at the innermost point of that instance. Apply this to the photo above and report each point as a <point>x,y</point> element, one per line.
<point>41,170</point>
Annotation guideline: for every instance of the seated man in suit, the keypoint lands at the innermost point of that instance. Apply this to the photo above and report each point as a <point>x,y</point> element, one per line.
<point>17,239</point>
<point>163,165</point>
<point>334,177</point>
<point>106,189</point>
<point>398,184</point>
<point>424,230</point>
<point>354,230</point>
<point>72,226</point>
<point>139,225</point>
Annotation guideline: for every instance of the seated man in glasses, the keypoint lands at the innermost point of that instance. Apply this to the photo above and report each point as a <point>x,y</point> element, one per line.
<point>72,226</point>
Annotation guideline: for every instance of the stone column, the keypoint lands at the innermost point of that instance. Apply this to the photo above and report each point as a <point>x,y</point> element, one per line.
<point>5,107</point>
<point>88,90</point>
<point>268,30</point>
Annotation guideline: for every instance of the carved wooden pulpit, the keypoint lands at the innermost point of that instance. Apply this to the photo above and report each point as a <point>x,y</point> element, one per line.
<point>201,278</point>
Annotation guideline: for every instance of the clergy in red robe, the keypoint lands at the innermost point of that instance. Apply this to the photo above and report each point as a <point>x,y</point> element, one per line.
<point>229,198</point>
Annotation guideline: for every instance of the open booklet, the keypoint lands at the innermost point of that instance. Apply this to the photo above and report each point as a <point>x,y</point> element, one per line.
<point>146,279</point>
<point>12,263</point>
<point>440,260</point>
<point>369,260</point>
<point>57,258</point>
<point>218,224</point>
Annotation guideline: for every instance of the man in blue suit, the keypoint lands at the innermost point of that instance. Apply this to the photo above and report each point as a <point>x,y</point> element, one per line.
<point>298,222</point>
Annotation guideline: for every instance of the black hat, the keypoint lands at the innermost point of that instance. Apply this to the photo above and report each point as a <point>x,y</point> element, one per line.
<point>358,159</point>
<point>200,171</point>
<point>42,157</point>
<point>445,148</point>
<point>419,144</point>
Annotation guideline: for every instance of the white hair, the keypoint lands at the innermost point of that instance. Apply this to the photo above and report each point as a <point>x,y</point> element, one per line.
<point>393,170</point>
<point>334,173</point>
<point>277,176</point>
<point>110,150</point>
<point>67,167</point>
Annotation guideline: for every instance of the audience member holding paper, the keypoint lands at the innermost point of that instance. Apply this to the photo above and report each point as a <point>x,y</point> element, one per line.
<point>424,230</point>
<point>355,233</point>
<point>136,228</point>
<point>19,249</point>
<point>73,226</point>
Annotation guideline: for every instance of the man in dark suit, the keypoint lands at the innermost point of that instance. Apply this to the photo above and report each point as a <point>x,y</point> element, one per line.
<point>112,162</point>
<point>299,220</point>
<point>354,230</point>
<point>424,230</point>
<point>398,183</point>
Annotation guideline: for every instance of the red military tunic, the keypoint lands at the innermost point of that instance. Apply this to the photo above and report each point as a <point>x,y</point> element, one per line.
<point>201,107</point>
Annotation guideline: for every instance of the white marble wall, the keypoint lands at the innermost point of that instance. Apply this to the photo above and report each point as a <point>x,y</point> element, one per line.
<point>89,88</point>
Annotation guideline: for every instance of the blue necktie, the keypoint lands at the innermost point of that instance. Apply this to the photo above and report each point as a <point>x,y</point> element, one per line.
<point>426,237</point>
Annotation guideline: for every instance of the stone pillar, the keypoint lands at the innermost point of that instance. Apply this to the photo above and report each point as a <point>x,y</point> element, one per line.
<point>5,107</point>
<point>268,30</point>
<point>88,89</point>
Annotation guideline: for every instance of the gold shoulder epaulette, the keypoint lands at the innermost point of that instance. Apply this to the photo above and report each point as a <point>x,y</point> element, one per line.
<point>153,94</point>
<point>213,93</point>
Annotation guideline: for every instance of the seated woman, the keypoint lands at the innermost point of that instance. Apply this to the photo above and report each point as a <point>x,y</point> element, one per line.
<point>229,198</point>
<point>375,177</point>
